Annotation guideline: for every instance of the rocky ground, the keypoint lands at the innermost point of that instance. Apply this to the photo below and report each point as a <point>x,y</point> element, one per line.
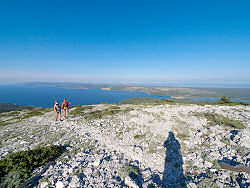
<point>143,145</point>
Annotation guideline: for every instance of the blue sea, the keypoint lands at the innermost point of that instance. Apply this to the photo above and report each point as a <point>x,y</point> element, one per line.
<point>45,96</point>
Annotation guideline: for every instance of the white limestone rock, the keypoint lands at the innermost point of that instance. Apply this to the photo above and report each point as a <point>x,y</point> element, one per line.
<point>60,184</point>
<point>130,183</point>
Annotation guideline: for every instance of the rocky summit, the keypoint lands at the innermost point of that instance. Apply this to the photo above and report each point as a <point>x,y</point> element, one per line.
<point>133,145</point>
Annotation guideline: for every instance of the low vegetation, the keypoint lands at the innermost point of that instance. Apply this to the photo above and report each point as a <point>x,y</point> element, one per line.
<point>98,114</point>
<point>31,113</point>
<point>217,119</point>
<point>139,136</point>
<point>20,165</point>
<point>17,115</point>
<point>226,101</point>
<point>139,100</point>
<point>80,109</point>
<point>144,100</point>
<point>13,113</point>
<point>4,123</point>
<point>165,101</point>
<point>129,170</point>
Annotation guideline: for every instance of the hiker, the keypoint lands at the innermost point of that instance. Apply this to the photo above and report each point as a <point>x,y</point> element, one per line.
<point>57,109</point>
<point>65,107</point>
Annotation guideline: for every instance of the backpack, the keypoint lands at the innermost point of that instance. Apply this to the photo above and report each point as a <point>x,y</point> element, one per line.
<point>66,104</point>
<point>58,107</point>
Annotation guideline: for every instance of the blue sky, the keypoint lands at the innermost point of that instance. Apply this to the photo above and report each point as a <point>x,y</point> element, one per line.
<point>118,41</point>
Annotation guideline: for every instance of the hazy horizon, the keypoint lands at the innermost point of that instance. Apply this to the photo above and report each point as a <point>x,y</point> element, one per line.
<point>180,43</point>
<point>137,84</point>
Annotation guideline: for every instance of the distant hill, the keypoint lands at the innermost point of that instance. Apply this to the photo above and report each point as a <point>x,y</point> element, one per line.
<point>7,107</point>
<point>190,92</point>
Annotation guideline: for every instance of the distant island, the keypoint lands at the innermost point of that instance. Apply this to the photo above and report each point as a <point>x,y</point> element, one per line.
<point>7,107</point>
<point>174,92</point>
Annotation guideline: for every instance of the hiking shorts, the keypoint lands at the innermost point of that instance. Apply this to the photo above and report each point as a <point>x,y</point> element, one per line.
<point>58,111</point>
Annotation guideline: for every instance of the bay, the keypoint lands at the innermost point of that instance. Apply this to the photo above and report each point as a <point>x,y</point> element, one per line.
<point>44,96</point>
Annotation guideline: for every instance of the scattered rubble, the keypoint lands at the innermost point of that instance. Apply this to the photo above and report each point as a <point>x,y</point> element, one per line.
<point>137,146</point>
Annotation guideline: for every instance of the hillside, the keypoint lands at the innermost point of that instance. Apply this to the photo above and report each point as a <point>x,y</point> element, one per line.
<point>189,92</point>
<point>144,145</point>
<point>7,107</point>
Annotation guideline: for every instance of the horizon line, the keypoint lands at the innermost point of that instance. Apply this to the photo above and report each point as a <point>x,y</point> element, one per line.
<point>188,85</point>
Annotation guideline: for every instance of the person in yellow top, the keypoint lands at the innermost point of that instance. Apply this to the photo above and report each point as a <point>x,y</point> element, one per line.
<point>65,107</point>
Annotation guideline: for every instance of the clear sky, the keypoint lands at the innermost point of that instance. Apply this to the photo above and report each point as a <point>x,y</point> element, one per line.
<point>125,41</point>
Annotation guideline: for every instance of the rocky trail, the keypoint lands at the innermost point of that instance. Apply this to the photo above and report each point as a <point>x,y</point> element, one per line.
<point>146,145</point>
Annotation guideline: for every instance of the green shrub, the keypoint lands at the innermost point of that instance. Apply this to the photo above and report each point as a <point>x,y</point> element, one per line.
<point>26,114</point>
<point>164,101</point>
<point>24,162</point>
<point>12,179</point>
<point>127,109</point>
<point>207,184</point>
<point>45,109</point>
<point>98,114</point>
<point>115,107</point>
<point>110,112</point>
<point>79,109</point>
<point>138,100</point>
<point>182,136</point>
<point>93,115</point>
<point>13,113</point>
<point>167,101</point>
<point>129,170</point>
<point>139,136</point>
<point>152,148</point>
<point>241,150</point>
<point>88,107</point>
<point>4,123</point>
<point>76,111</point>
<point>218,119</point>
<point>31,113</point>
<point>225,100</point>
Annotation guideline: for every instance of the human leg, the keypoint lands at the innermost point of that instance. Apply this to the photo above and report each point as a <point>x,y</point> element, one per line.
<point>67,113</point>
<point>60,117</point>
<point>64,112</point>
<point>56,116</point>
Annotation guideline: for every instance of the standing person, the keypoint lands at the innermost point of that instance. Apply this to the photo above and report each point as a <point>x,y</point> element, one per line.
<point>65,107</point>
<point>57,109</point>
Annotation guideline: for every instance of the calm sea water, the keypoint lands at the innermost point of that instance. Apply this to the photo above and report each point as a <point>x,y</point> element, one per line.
<point>45,96</point>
